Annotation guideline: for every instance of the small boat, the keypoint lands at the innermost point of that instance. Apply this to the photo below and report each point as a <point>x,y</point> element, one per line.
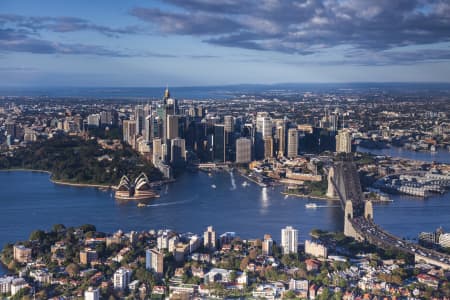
<point>245,184</point>
<point>141,205</point>
<point>210,174</point>
<point>286,196</point>
<point>213,186</point>
<point>311,205</point>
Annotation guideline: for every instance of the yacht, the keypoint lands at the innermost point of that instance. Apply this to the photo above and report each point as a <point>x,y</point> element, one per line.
<point>311,205</point>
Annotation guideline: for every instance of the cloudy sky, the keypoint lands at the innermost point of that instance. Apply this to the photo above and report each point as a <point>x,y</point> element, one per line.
<point>215,42</point>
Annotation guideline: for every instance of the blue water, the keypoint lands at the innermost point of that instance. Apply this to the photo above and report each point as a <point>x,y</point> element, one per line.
<point>441,156</point>
<point>223,92</point>
<point>30,201</point>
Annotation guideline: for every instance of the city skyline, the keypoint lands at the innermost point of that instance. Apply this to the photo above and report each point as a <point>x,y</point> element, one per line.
<point>200,42</point>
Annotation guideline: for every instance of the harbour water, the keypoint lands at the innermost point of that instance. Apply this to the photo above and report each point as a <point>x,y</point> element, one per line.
<point>30,201</point>
<point>441,156</point>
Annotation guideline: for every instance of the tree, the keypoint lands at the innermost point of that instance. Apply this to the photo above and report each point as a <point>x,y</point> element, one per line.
<point>58,228</point>
<point>244,263</point>
<point>325,294</point>
<point>37,235</point>
<point>289,295</point>
<point>72,269</point>
<point>88,227</point>
<point>233,276</point>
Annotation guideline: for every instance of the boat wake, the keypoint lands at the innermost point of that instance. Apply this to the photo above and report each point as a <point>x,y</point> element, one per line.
<point>233,182</point>
<point>168,203</point>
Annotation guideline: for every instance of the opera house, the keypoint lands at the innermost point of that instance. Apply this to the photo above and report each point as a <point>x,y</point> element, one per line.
<point>139,189</point>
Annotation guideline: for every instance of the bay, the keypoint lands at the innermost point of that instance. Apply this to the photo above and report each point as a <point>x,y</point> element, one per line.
<point>29,201</point>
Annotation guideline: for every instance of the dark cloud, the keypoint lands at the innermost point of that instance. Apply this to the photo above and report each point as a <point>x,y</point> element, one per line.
<point>19,40</point>
<point>23,34</point>
<point>310,26</point>
<point>186,23</point>
<point>62,24</point>
<point>39,46</point>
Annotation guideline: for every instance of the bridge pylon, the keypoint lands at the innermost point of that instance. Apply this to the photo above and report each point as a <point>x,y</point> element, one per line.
<point>331,191</point>
<point>349,230</point>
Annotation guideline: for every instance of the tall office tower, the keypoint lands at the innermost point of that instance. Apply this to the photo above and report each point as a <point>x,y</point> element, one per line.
<point>343,141</point>
<point>264,125</point>
<point>289,240</point>
<point>132,132</point>
<point>219,143</point>
<point>334,122</point>
<point>157,151</point>
<point>229,137</point>
<point>280,136</point>
<point>263,130</point>
<point>147,109</point>
<point>177,151</point>
<point>228,123</point>
<point>209,238</point>
<point>147,132</point>
<point>154,261</point>
<point>91,294</point>
<point>129,130</point>
<point>200,111</point>
<point>172,127</point>
<point>172,106</point>
<point>164,153</point>
<point>157,128</point>
<point>161,113</point>
<point>267,245</point>
<point>106,118</point>
<point>11,128</point>
<point>93,120</point>
<point>243,150</point>
<point>121,278</point>
<point>292,143</point>
<point>268,147</point>
<point>139,117</point>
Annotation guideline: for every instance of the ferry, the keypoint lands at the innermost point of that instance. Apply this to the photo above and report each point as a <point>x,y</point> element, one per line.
<point>311,205</point>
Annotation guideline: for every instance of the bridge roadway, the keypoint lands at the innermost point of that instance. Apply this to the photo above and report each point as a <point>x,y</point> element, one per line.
<point>379,237</point>
<point>348,187</point>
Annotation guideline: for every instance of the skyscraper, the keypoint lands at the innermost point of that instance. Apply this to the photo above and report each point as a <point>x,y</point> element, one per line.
<point>209,238</point>
<point>292,143</point>
<point>157,151</point>
<point>228,123</point>
<point>268,147</point>
<point>129,131</point>
<point>343,141</point>
<point>139,117</point>
<point>147,132</point>
<point>289,240</point>
<point>243,150</point>
<point>263,131</point>
<point>178,152</point>
<point>280,136</point>
<point>219,143</point>
<point>263,125</point>
<point>172,127</point>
